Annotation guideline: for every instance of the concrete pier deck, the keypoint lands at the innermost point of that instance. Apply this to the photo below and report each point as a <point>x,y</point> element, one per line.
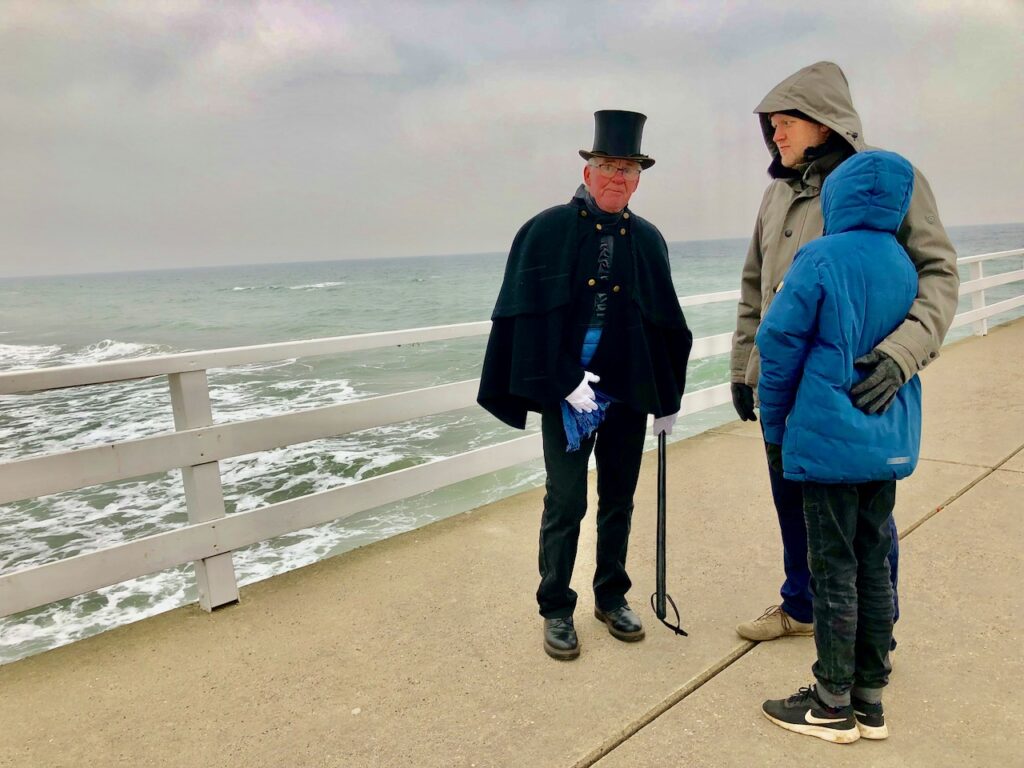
<point>425,649</point>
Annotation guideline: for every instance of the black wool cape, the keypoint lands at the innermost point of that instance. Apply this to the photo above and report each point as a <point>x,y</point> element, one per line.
<point>544,307</point>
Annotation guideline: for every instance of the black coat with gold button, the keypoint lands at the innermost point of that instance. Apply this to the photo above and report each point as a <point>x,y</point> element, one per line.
<point>545,305</point>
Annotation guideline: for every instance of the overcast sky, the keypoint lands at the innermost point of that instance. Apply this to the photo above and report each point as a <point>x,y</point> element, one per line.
<point>138,135</point>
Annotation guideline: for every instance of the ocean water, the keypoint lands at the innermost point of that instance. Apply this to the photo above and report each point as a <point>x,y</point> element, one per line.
<point>93,318</point>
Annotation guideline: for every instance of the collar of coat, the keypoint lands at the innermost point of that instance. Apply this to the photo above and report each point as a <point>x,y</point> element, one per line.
<point>821,161</point>
<point>811,176</point>
<point>602,217</point>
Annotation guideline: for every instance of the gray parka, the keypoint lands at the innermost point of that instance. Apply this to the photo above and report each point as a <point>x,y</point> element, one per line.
<point>790,217</point>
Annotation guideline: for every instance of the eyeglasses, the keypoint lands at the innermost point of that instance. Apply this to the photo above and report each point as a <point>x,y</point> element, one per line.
<point>608,171</point>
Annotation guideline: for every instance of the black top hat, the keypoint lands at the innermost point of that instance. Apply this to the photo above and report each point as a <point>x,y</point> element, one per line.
<point>617,133</point>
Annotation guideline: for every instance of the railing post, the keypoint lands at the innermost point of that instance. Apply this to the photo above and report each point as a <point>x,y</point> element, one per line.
<point>978,299</point>
<point>215,576</point>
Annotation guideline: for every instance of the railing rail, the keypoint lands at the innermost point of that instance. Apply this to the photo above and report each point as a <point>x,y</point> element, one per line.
<point>198,445</point>
<point>977,285</point>
<point>989,256</point>
<point>40,379</point>
<point>55,472</point>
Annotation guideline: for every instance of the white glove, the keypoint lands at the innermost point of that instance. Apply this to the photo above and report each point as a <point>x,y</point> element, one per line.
<point>582,398</point>
<point>664,424</point>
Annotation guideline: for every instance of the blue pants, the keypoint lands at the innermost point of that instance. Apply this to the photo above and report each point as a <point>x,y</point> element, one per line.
<point>796,589</point>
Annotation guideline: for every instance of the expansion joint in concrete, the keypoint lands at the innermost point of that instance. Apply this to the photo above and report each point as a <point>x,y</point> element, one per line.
<point>635,726</point>
<point>691,685</point>
<point>973,465</point>
<point>910,529</point>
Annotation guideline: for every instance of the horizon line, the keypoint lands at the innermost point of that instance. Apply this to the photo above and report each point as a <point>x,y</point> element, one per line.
<point>357,259</point>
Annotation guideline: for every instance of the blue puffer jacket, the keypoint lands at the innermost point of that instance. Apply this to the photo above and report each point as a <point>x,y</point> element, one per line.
<point>845,292</point>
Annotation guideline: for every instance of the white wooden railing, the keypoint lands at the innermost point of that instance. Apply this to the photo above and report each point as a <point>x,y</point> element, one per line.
<point>197,446</point>
<point>975,288</point>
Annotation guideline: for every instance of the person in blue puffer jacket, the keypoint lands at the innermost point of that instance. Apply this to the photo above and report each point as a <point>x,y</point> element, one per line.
<point>844,293</point>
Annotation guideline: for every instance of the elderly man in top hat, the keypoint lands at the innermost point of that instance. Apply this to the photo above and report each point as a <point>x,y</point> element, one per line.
<point>588,332</point>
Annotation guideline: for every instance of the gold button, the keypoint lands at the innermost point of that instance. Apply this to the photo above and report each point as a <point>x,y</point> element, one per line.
<point>598,226</point>
<point>617,288</point>
<point>583,214</point>
<point>622,231</point>
<point>625,215</point>
<point>591,282</point>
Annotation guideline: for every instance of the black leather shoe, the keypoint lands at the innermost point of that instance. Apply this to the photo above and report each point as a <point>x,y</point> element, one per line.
<point>560,641</point>
<point>622,623</point>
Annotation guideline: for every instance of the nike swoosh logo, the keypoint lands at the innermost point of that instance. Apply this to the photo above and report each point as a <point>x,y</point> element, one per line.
<point>821,721</point>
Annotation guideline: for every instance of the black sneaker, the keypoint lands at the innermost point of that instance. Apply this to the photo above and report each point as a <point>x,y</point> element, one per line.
<point>804,712</point>
<point>870,719</point>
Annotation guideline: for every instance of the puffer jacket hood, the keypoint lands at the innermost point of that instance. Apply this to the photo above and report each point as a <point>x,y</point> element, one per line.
<point>869,191</point>
<point>822,93</point>
<point>844,293</point>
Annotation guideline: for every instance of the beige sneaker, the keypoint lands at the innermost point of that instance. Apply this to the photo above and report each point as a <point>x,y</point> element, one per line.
<point>772,624</point>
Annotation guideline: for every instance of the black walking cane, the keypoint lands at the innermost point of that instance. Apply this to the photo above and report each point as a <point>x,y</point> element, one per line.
<point>660,596</point>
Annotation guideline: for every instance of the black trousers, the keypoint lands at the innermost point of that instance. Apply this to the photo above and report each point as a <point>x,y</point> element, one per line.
<point>618,447</point>
<point>848,540</point>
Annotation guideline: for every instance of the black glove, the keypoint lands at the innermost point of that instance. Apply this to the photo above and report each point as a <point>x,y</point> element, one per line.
<point>774,456</point>
<point>884,379</point>
<point>743,401</point>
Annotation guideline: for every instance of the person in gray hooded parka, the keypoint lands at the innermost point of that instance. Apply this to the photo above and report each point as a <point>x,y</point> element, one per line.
<point>810,126</point>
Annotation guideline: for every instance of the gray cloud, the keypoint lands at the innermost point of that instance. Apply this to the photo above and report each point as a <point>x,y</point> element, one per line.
<point>139,135</point>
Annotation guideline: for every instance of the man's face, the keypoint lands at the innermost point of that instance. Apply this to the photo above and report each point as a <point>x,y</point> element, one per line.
<point>607,182</point>
<point>794,135</point>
